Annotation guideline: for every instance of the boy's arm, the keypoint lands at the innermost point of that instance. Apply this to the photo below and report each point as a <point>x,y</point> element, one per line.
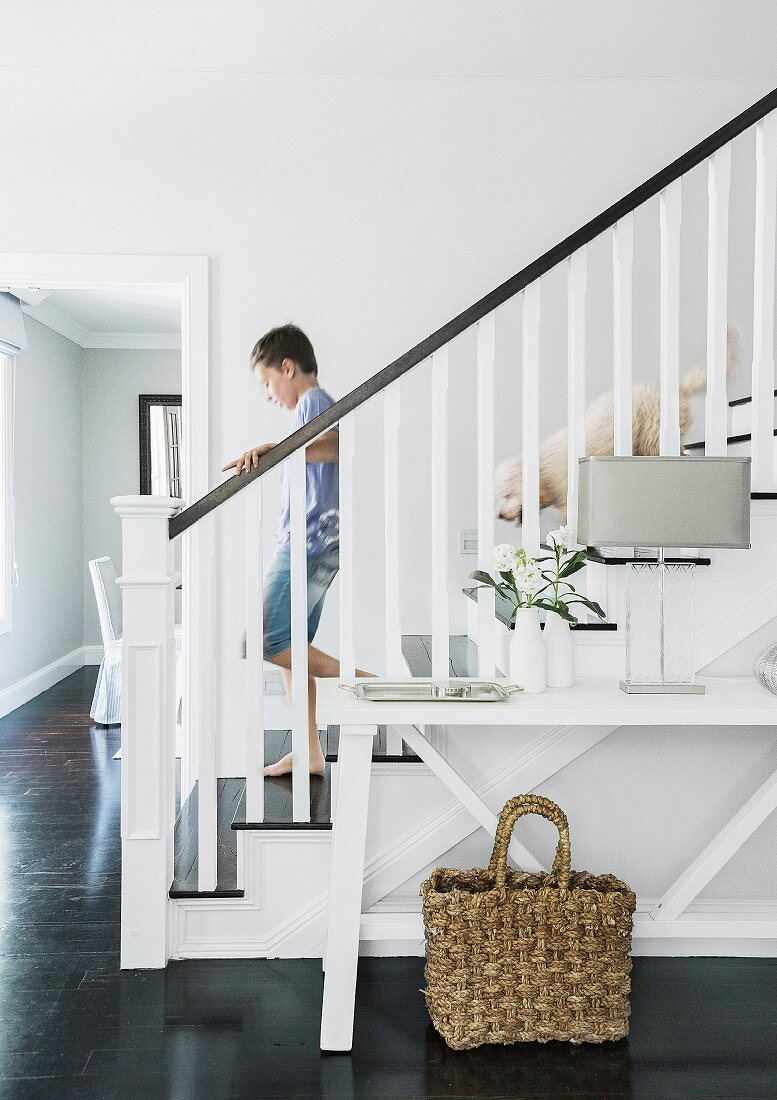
<point>324,449</point>
<point>249,460</point>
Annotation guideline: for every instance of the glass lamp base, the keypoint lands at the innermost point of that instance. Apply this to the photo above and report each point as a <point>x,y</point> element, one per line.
<point>659,629</point>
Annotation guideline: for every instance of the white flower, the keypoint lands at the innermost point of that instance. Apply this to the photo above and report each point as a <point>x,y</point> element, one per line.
<point>504,557</point>
<point>528,578</point>
<point>562,538</point>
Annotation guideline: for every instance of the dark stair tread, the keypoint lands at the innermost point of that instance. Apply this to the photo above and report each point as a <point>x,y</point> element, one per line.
<point>278,805</point>
<point>379,753</point>
<point>229,793</point>
<point>746,438</point>
<point>278,794</point>
<point>595,554</point>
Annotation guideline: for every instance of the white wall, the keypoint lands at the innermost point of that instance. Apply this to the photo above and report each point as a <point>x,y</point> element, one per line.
<point>48,603</point>
<point>113,380</point>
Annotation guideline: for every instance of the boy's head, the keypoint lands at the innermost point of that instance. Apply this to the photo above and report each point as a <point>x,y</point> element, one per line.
<point>284,364</point>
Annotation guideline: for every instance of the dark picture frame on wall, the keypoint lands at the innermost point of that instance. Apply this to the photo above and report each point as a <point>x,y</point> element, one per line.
<point>148,403</point>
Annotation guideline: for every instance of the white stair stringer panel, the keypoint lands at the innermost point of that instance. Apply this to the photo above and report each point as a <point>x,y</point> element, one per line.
<point>285,873</point>
<point>738,594</point>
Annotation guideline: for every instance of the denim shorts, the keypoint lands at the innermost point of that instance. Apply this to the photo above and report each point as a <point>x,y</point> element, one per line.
<point>277,597</point>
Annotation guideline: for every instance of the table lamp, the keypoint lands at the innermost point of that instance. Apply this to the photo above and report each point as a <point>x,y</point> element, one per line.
<point>662,503</point>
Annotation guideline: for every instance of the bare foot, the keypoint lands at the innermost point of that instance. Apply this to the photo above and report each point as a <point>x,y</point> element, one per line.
<point>283,766</point>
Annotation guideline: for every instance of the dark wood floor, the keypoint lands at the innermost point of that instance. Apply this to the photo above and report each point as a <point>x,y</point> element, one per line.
<point>73,1025</point>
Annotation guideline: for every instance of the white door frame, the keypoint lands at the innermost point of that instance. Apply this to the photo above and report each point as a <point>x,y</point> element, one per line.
<point>64,271</point>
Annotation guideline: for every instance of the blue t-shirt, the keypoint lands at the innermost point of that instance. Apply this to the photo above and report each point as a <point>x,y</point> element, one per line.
<point>322,478</point>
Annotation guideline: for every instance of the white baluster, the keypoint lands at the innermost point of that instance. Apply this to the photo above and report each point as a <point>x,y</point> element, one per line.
<point>577,278</point>
<point>762,450</point>
<point>395,665</point>
<point>669,387</point>
<point>716,401</point>
<point>439,445</point>
<point>391,410</point>
<point>622,262</point>
<point>300,746</point>
<point>198,603</point>
<point>147,584</point>
<point>530,408</point>
<point>254,655</point>
<point>486,343</point>
<point>347,456</point>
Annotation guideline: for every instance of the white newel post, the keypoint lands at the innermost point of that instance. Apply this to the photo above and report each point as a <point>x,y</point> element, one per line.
<point>147,585</point>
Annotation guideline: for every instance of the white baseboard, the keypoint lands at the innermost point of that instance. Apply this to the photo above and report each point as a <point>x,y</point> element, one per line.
<point>93,654</point>
<point>223,928</point>
<point>23,690</point>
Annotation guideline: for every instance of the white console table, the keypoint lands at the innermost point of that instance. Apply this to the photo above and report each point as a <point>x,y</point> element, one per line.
<point>593,703</point>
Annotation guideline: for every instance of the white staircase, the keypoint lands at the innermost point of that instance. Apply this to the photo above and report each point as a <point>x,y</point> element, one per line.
<point>260,888</point>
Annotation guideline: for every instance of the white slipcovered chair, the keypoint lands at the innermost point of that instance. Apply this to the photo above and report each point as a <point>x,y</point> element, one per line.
<point>106,704</point>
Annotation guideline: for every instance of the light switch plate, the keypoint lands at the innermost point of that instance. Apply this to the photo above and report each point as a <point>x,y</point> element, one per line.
<point>468,542</point>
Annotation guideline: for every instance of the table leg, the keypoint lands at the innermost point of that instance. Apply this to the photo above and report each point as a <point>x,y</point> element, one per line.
<point>345,888</point>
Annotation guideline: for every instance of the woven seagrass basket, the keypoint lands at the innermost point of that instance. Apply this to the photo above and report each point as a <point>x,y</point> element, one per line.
<point>514,957</point>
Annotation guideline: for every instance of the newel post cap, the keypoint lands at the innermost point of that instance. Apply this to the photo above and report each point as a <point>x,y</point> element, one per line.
<point>147,506</point>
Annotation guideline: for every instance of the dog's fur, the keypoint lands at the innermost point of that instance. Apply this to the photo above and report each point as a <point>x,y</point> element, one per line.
<point>599,439</point>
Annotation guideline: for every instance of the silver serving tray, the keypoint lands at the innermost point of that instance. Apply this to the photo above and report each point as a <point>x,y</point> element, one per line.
<point>435,691</point>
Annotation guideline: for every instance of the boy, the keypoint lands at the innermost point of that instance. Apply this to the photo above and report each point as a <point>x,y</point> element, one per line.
<point>284,365</point>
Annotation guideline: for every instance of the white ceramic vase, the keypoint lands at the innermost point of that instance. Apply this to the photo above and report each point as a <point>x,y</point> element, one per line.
<point>528,661</point>
<point>561,652</point>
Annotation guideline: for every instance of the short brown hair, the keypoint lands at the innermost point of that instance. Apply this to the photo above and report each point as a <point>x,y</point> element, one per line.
<point>285,342</point>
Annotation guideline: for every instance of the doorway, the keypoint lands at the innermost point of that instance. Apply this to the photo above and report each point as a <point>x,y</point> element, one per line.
<point>184,279</point>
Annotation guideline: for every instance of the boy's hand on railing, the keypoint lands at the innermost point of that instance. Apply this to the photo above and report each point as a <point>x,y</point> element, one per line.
<point>249,460</point>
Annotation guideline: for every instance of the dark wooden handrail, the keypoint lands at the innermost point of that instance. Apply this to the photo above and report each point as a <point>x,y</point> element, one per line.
<point>512,286</point>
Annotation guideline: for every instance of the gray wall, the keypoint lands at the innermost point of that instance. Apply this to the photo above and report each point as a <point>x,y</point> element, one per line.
<point>112,382</point>
<point>76,447</point>
<point>48,604</point>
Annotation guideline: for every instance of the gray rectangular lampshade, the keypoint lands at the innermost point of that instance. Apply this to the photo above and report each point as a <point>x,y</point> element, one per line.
<point>668,502</point>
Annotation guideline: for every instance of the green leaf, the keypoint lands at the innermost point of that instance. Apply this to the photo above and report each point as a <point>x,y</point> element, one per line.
<point>565,613</point>
<point>590,604</point>
<point>508,579</point>
<point>484,578</point>
<point>574,565</point>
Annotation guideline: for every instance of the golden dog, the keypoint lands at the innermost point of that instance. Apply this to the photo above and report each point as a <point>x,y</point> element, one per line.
<point>646,419</point>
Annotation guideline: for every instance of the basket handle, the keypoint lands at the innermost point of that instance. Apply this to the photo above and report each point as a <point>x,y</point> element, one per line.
<point>531,804</point>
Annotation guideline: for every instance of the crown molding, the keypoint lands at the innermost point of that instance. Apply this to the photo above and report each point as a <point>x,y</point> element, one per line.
<point>59,322</point>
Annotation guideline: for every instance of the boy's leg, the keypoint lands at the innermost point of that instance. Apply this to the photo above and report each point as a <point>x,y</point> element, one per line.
<point>317,761</point>
<point>319,664</point>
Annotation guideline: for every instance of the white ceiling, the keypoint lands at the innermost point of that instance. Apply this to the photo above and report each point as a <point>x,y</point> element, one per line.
<point>142,310</point>
<point>146,317</point>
